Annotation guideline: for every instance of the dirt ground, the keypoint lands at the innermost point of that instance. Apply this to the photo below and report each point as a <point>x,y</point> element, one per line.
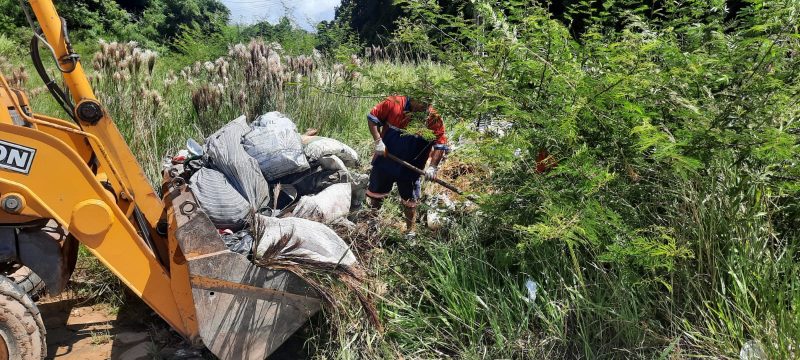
<point>77,329</point>
<point>80,330</point>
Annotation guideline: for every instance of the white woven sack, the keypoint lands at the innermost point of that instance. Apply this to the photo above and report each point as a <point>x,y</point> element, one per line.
<point>307,239</point>
<point>330,204</point>
<point>315,147</point>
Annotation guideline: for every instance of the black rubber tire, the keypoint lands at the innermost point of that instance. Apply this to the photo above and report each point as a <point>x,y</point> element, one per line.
<point>28,281</point>
<point>21,324</point>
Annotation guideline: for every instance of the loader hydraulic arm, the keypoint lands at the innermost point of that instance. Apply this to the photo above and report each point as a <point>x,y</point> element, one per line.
<point>85,177</point>
<point>94,120</point>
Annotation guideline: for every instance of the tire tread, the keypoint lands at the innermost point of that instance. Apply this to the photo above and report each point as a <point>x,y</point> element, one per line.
<point>20,316</point>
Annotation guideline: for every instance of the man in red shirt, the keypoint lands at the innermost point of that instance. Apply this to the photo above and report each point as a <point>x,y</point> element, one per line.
<point>387,123</point>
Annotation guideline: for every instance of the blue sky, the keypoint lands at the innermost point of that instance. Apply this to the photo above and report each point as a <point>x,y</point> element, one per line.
<point>306,13</point>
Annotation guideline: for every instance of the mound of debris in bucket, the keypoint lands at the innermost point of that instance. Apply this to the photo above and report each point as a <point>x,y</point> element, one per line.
<point>273,194</point>
<point>264,183</point>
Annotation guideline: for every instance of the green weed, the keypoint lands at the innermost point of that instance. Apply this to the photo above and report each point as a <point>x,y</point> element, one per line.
<point>95,283</point>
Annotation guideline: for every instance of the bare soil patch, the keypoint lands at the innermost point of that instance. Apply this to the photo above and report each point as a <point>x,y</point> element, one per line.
<point>80,329</point>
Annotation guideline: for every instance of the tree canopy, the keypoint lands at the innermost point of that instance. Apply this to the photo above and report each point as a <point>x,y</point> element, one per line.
<point>375,21</point>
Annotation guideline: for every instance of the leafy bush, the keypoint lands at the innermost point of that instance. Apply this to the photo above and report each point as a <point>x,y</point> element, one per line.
<point>294,40</point>
<point>90,19</point>
<point>192,44</point>
<point>8,47</point>
<point>165,20</point>
<point>155,23</point>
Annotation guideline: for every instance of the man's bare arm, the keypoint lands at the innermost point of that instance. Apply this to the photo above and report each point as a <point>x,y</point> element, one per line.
<point>436,157</point>
<point>374,130</point>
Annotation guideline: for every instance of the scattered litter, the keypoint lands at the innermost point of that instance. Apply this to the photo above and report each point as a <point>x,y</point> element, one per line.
<point>239,242</point>
<point>166,163</point>
<point>194,148</point>
<point>439,205</point>
<point>187,354</point>
<point>531,286</point>
<point>343,223</point>
<point>181,156</point>
<point>480,301</point>
<point>469,206</point>
<point>752,350</point>
<point>434,219</point>
<point>194,165</point>
<point>444,202</point>
<point>490,124</point>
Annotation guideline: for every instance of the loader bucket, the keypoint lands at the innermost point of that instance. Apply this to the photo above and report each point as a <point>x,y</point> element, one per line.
<point>240,310</point>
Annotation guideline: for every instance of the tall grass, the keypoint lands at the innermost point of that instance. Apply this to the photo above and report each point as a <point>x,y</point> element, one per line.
<point>157,107</point>
<point>744,283</point>
<point>448,300</point>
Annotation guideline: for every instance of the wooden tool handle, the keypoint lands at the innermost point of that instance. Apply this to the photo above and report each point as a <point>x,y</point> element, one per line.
<point>419,171</point>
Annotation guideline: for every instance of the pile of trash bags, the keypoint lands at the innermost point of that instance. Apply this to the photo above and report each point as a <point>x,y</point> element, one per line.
<point>264,182</point>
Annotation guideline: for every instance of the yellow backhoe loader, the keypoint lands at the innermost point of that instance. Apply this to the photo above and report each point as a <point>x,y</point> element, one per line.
<point>65,182</point>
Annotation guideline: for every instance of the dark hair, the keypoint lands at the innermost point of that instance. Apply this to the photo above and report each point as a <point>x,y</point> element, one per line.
<point>422,101</point>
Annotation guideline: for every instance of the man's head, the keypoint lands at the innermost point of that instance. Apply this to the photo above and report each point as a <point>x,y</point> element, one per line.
<point>418,104</point>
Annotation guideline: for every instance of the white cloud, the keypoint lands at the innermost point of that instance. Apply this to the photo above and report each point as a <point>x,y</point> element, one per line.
<point>306,13</point>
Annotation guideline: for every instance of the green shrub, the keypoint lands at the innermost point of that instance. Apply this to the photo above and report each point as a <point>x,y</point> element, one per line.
<point>664,228</point>
<point>8,47</point>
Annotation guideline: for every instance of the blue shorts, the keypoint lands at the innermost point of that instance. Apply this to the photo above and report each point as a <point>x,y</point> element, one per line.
<point>380,185</point>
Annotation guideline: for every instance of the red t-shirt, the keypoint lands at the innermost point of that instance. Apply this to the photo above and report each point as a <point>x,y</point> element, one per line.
<point>394,112</point>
